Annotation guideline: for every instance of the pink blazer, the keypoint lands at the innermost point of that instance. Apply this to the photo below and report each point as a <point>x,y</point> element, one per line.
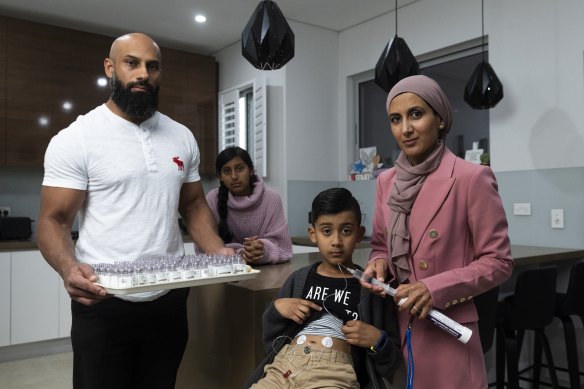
<point>459,248</point>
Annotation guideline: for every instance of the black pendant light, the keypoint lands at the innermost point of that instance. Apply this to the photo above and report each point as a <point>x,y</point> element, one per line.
<point>483,90</point>
<point>396,62</point>
<point>267,41</point>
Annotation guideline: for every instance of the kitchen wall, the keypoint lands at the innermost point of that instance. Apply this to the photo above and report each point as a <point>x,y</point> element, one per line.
<point>536,131</point>
<point>534,46</point>
<point>20,190</point>
<point>545,189</point>
<point>302,135</point>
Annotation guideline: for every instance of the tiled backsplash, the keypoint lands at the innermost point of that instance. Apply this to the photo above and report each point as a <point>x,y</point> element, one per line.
<point>545,189</point>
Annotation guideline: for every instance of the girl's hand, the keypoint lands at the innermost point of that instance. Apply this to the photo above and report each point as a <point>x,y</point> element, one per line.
<point>253,249</point>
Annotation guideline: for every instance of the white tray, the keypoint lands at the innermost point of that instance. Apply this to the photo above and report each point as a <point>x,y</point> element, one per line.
<point>185,284</point>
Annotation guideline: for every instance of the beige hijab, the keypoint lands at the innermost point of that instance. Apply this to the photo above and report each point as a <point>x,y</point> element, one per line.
<point>409,179</point>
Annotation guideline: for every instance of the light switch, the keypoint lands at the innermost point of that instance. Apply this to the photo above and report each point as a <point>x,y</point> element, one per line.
<point>557,218</point>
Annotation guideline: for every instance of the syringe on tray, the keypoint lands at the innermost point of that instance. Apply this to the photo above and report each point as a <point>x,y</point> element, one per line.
<point>439,319</point>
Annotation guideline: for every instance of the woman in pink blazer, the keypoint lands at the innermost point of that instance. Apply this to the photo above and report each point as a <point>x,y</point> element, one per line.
<point>440,233</point>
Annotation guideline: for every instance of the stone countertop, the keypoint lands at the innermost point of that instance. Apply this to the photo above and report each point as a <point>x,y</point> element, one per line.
<point>17,245</point>
<point>273,276</point>
<point>30,244</point>
<point>305,241</point>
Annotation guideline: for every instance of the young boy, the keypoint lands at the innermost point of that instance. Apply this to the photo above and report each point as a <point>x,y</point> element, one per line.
<point>324,328</point>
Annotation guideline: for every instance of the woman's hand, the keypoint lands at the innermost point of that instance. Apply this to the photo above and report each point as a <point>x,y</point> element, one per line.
<point>297,310</point>
<point>253,249</point>
<point>419,299</point>
<point>361,334</point>
<point>377,269</point>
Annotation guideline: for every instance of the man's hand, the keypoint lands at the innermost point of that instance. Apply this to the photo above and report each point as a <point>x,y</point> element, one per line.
<point>227,251</point>
<point>79,280</point>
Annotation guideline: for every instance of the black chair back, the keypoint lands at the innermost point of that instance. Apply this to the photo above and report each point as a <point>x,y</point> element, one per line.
<point>574,301</point>
<point>534,299</point>
<point>486,305</point>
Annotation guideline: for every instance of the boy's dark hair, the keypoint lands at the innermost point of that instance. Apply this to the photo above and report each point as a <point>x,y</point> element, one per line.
<point>223,194</point>
<point>332,201</point>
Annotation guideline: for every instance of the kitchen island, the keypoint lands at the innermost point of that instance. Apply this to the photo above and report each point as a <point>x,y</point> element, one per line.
<point>224,343</point>
<point>225,331</point>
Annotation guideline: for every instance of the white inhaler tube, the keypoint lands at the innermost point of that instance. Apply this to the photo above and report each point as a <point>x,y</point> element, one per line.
<point>439,319</point>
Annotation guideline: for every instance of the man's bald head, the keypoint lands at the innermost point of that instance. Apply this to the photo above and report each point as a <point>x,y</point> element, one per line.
<point>134,70</point>
<point>126,43</point>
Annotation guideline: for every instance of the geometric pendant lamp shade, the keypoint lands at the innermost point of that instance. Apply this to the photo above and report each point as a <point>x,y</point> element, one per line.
<point>483,90</point>
<point>396,62</point>
<point>267,41</point>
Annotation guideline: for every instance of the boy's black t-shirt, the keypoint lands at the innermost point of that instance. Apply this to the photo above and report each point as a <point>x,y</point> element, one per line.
<point>340,296</point>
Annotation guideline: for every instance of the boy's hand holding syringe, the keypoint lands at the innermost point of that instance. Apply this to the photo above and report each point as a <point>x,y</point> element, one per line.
<point>439,319</point>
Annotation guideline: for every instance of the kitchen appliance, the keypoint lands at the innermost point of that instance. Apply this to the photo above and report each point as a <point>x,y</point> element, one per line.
<point>15,228</point>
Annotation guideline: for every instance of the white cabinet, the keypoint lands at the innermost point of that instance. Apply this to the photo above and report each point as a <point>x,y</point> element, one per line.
<point>34,301</point>
<point>4,299</point>
<point>64,311</point>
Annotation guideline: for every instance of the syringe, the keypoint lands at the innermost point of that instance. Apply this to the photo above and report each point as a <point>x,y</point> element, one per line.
<point>439,319</point>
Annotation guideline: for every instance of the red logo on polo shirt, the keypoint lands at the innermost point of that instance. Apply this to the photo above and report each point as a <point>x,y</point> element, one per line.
<point>178,162</point>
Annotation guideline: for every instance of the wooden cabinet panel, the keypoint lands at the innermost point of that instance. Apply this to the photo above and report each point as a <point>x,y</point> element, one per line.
<point>2,91</point>
<point>188,94</point>
<point>47,66</point>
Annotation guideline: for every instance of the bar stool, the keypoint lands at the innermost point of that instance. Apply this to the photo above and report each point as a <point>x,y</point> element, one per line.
<point>568,304</point>
<point>486,304</point>
<point>530,308</point>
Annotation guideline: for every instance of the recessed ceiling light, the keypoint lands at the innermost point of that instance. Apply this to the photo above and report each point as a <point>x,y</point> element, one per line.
<point>102,82</point>
<point>43,121</point>
<point>200,18</point>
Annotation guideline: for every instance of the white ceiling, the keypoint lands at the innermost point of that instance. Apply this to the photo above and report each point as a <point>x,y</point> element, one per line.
<point>170,22</point>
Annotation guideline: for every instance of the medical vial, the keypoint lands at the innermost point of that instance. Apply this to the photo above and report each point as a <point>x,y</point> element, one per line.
<point>161,273</point>
<point>238,264</point>
<point>188,269</point>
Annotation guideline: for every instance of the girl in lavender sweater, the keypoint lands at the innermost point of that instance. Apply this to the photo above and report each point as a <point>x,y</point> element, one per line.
<point>250,216</point>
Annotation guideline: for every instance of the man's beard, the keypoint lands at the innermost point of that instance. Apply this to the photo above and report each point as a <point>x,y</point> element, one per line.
<point>139,105</point>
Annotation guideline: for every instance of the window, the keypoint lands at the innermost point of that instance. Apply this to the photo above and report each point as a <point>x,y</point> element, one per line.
<point>242,122</point>
<point>451,68</point>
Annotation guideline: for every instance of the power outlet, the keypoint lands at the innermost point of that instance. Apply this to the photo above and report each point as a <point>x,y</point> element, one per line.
<point>523,209</point>
<point>4,211</point>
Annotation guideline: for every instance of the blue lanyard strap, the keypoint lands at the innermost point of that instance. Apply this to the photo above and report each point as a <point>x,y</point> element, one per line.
<point>410,382</point>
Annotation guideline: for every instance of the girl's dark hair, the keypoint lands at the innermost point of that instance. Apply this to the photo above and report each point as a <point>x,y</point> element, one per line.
<point>333,201</point>
<point>223,193</point>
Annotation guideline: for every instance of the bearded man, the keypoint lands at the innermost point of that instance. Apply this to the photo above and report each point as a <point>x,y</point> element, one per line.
<point>117,169</point>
